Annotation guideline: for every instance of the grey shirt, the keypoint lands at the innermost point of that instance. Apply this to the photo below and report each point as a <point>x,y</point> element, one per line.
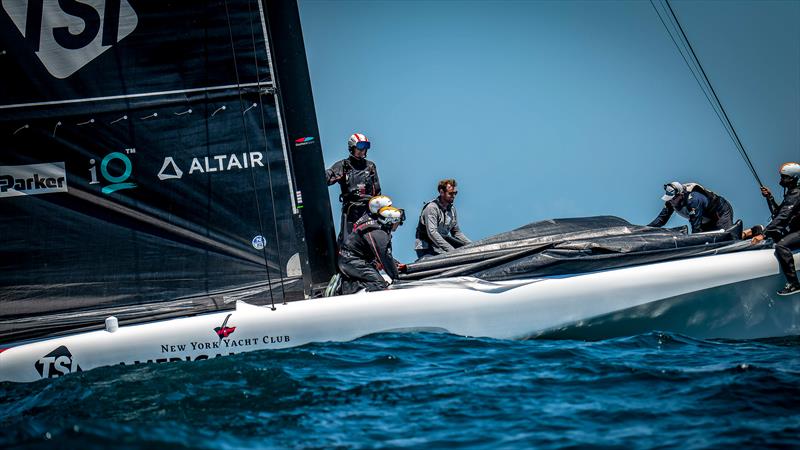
<point>439,222</point>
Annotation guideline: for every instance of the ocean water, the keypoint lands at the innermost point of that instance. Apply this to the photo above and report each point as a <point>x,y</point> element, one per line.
<point>422,390</point>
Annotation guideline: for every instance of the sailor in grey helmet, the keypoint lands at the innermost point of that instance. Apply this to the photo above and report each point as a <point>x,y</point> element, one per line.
<point>437,230</point>
<point>784,229</point>
<point>705,210</point>
<point>358,179</point>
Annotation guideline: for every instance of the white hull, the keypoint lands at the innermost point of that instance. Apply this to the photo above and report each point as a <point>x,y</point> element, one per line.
<point>724,296</point>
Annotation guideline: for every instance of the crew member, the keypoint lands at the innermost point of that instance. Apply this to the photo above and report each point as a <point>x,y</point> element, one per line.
<point>437,230</point>
<point>358,179</point>
<point>705,210</point>
<point>784,229</point>
<point>368,248</point>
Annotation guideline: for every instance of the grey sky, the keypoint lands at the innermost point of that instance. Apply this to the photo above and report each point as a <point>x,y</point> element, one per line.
<point>554,109</point>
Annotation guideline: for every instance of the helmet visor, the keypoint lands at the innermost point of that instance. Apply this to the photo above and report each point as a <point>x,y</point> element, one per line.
<point>362,145</point>
<point>669,192</point>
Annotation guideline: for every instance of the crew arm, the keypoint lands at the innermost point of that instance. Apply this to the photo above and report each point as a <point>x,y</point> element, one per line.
<point>377,186</point>
<point>431,222</point>
<point>773,205</point>
<point>458,235</point>
<point>335,173</point>
<point>697,207</point>
<point>784,214</point>
<point>380,242</point>
<point>663,216</point>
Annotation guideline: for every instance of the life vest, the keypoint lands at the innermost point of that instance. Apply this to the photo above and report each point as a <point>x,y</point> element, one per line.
<point>713,198</point>
<point>358,184</point>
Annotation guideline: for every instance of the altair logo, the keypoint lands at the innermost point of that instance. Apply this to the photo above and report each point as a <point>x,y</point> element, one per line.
<point>210,164</point>
<point>68,34</point>
<point>224,331</point>
<point>56,363</point>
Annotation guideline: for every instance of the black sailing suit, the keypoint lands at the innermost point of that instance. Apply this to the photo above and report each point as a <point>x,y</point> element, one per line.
<point>359,181</point>
<point>365,251</point>
<point>785,231</point>
<point>705,210</point>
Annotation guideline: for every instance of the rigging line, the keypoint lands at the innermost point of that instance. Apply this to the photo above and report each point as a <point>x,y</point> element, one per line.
<point>744,152</point>
<point>694,67</point>
<point>252,171</point>
<point>266,148</point>
<point>715,107</point>
<point>696,76</point>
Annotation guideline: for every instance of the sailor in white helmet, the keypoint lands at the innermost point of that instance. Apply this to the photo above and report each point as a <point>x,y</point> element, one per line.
<point>784,229</point>
<point>705,210</point>
<point>358,179</point>
<point>368,248</point>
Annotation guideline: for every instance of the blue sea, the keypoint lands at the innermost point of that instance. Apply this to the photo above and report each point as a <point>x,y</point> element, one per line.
<point>421,390</point>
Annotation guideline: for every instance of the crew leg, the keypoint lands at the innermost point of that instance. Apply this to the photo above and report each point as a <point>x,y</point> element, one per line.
<point>359,274</point>
<point>783,252</point>
<point>725,213</point>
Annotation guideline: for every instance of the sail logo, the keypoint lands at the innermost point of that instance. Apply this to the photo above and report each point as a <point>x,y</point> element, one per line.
<point>259,242</point>
<point>56,364</point>
<point>116,178</point>
<point>68,34</point>
<point>303,141</point>
<point>33,179</point>
<point>210,164</point>
<point>224,331</point>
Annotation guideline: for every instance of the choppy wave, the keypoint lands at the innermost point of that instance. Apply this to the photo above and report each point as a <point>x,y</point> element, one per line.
<point>428,390</point>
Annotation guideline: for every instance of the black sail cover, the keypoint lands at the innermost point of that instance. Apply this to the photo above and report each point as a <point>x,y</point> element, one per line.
<point>144,167</point>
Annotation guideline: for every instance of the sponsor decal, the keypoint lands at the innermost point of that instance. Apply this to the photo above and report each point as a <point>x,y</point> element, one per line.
<point>66,35</point>
<point>224,331</point>
<point>171,170</point>
<point>33,179</point>
<point>259,242</point>
<point>115,169</point>
<point>57,363</point>
<point>299,142</point>
<point>223,347</point>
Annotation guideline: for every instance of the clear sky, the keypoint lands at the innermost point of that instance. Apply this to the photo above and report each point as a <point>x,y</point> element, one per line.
<point>549,109</point>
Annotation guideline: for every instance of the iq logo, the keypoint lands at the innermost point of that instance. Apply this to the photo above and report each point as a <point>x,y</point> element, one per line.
<point>115,169</point>
<point>259,242</point>
<point>68,34</point>
<point>56,363</point>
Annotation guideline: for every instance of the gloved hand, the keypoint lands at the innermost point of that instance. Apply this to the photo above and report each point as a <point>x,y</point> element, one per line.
<point>765,192</point>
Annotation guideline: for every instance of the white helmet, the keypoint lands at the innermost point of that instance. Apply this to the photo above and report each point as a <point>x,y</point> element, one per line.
<point>671,190</point>
<point>791,169</point>
<point>389,215</point>
<point>378,202</point>
<point>359,141</point>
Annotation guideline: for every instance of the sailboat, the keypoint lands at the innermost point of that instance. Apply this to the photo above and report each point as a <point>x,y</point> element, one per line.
<point>162,198</point>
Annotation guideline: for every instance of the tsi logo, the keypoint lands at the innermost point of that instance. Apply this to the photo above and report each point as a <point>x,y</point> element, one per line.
<point>123,167</point>
<point>32,179</point>
<point>56,363</point>
<point>68,34</point>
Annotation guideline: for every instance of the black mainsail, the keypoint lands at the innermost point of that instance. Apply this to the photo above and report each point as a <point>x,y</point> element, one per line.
<point>157,159</point>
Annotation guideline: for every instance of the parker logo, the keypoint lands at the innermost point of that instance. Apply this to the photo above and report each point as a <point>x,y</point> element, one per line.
<point>57,363</point>
<point>68,34</point>
<point>32,179</point>
<point>209,164</point>
<point>224,331</point>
